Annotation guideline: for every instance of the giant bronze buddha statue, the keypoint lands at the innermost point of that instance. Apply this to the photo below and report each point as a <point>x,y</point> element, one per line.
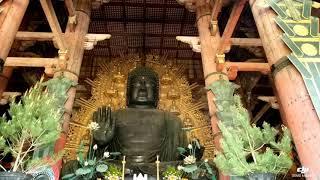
<point>137,127</point>
<point>140,132</point>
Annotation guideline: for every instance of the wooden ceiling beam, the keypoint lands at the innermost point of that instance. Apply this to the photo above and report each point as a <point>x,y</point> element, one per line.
<point>70,7</point>
<point>249,66</point>
<point>246,42</point>
<point>47,36</point>
<point>272,100</point>
<point>55,26</point>
<point>214,16</point>
<point>12,94</point>
<point>50,64</point>
<point>216,10</point>
<point>261,112</point>
<point>231,25</point>
<point>71,11</point>
<point>194,42</point>
<point>34,36</point>
<point>30,62</point>
<point>141,4</point>
<point>7,96</point>
<point>234,67</point>
<point>90,39</point>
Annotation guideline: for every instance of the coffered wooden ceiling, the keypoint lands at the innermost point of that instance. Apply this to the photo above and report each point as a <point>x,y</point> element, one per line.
<point>143,27</point>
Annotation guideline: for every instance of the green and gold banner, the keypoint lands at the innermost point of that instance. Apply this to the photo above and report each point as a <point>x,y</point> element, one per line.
<point>301,35</point>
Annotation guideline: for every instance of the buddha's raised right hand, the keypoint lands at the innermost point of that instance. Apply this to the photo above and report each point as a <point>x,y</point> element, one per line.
<point>106,129</point>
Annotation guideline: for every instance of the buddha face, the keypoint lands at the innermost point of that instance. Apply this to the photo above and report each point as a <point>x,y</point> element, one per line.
<point>142,92</point>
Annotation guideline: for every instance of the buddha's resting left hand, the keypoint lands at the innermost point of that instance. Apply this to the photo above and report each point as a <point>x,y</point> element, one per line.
<point>106,129</point>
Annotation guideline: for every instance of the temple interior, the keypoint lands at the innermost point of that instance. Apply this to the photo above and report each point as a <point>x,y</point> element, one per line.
<point>193,64</point>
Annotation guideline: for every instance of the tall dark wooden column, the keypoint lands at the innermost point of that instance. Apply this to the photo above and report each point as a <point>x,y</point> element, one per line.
<point>295,103</point>
<point>75,38</point>
<point>209,47</point>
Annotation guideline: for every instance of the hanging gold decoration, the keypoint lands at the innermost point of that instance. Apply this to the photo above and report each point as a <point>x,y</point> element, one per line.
<point>109,89</point>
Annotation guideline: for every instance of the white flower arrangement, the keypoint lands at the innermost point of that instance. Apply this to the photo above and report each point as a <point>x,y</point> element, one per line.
<point>86,163</point>
<point>190,146</point>
<point>95,147</point>
<point>189,160</point>
<point>191,167</point>
<point>106,154</point>
<point>93,126</point>
<point>180,168</point>
<point>90,165</point>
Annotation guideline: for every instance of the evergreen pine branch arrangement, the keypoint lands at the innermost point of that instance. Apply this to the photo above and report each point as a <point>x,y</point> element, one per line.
<point>247,149</point>
<point>35,122</point>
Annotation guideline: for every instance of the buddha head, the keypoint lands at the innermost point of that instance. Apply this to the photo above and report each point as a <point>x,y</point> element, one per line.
<point>142,88</point>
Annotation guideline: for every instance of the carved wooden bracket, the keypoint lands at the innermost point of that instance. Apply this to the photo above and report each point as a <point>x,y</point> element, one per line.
<point>220,60</point>
<point>213,27</point>
<point>49,71</point>
<point>72,19</point>
<point>232,72</point>
<point>194,42</point>
<point>63,58</point>
<point>92,40</point>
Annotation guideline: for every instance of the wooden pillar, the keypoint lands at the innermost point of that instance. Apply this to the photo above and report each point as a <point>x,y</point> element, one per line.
<point>4,78</point>
<point>6,5</point>
<point>10,26</point>
<point>76,39</point>
<point>10,20</point>
<point>208,54</point>
<point>295,103</point>
<point>209,47</point>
